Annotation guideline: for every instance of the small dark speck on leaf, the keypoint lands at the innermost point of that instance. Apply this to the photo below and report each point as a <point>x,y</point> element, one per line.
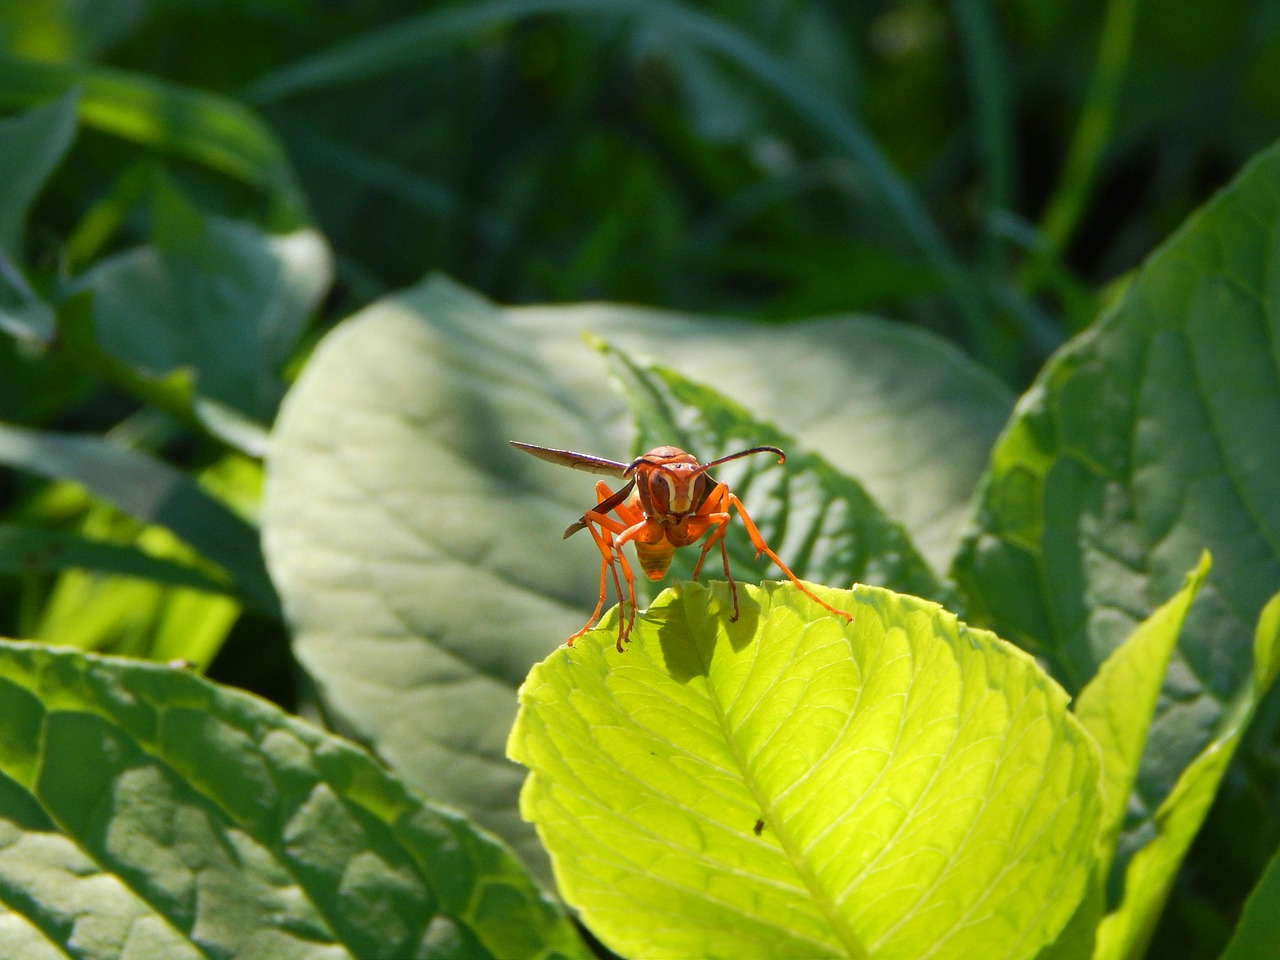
<point>758,828</point>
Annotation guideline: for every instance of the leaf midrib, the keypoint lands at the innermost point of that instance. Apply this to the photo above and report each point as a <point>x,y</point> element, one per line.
<point>830,911</point>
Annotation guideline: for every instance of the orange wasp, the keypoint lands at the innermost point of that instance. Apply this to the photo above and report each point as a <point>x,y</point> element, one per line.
<point>668,501</point>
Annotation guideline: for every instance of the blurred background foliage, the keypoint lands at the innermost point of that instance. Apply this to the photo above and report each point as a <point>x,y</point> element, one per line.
<point>988,171</point>
<point>612,150</point>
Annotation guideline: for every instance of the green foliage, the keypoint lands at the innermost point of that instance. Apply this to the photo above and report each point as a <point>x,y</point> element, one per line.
<point>1138,447</point>
<point>184,237</point>
<point>212,295</point>
<point>1151,872</point>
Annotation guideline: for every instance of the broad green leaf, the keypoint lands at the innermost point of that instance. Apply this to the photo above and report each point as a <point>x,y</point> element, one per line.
<point>417,553</point>
<point>191,124</point>
<point>902,411</point>
<point>789,785</point>
<point>31,146</point>
<point>1255,934</point>
<point>1144,442</point>
<point>150,491</point>
<point>821,522</point>
<point>214,295</point>
<point>1124,933</point>
<point>1118,703</point>
<point>147,812</point>
<point>407,536</point>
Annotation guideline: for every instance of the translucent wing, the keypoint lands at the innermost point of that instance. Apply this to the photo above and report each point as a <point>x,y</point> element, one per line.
<point>578,461</point>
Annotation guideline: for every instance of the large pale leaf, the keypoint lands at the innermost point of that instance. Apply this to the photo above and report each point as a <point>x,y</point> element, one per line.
<point>1145,441</point>
<point>418,554</point>
<point>148,813</point>
<point>789,785</point>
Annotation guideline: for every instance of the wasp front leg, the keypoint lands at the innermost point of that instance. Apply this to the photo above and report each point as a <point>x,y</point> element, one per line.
<point>605,531</point>
<point>608,559</point>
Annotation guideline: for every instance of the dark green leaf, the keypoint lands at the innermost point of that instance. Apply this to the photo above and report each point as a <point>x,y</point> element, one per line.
<point>903,412</point>
<point>1255,935</point>
<point>211,294</point>
<point>193,124</point>
<point>35,549</point>
<point>147,812</point>
<point>31,146</point>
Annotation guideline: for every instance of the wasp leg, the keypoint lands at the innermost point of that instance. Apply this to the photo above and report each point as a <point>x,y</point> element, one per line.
<point>757,541</point>
<point>718,522</point>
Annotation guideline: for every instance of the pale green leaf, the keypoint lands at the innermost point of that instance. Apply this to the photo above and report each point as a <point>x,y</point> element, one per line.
<point>148,813</point>
<point>1118,703</point>
<point>1124,933</point>
<point>789,785</point>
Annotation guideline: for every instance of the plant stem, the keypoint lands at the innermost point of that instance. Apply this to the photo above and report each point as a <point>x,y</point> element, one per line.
<point>1062,214</point>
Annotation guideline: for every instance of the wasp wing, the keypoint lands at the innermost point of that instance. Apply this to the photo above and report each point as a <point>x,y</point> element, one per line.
<point>578,461</point>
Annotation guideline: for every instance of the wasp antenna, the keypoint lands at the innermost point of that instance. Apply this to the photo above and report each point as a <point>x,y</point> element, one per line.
<point>782,457</point>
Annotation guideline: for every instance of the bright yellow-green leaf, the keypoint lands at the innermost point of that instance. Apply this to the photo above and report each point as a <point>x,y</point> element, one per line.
<point>789,785</point>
